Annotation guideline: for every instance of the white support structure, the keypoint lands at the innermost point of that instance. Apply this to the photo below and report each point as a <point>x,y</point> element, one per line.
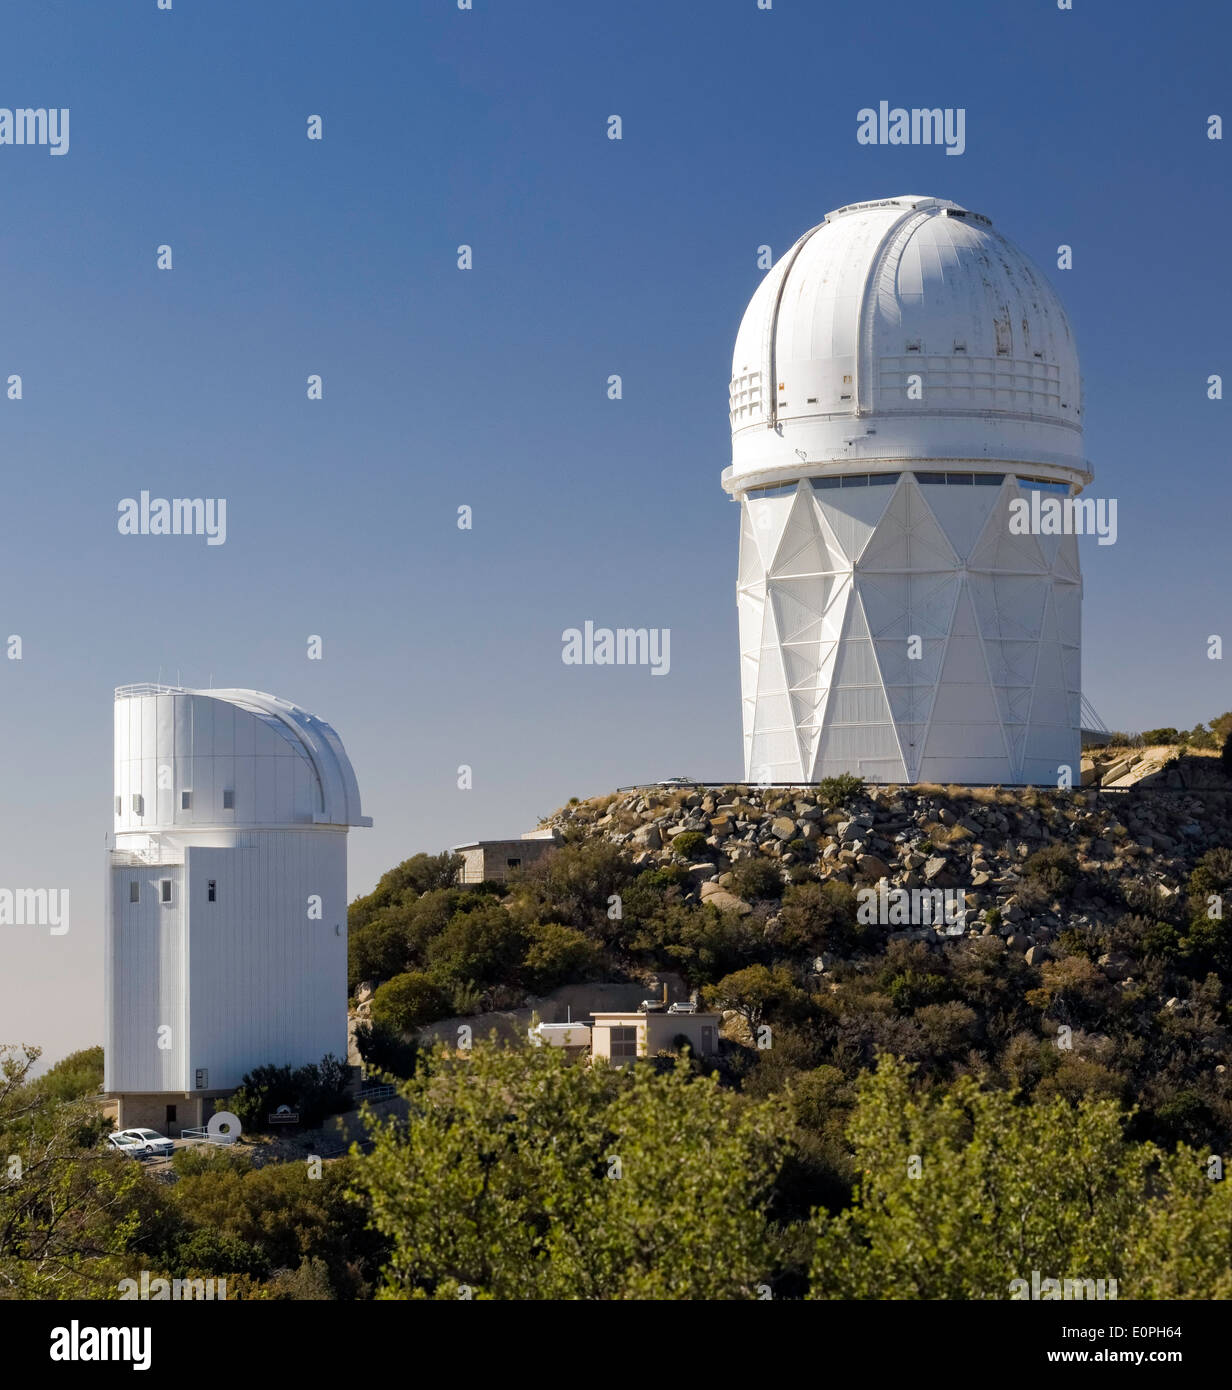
<point>901,379</point>
<point>226,916</point>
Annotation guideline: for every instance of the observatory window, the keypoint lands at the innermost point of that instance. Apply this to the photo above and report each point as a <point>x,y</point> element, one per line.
<point>138,804</point>
<point>186,801</point>
<point>228,801</point>
<point>930,478</point>
<point>624,1042</point>
<point>164,890</point>
<point>134,891</point>
<point>989,479</point>
<point>211,891</point>
<point>882,479</point>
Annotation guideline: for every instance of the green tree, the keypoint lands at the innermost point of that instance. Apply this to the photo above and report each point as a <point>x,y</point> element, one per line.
<point>69,1210</point>
<point>409,1001</point>
<point>759,994</point>
<point>557,955</point>
<point>524,1176</point>
<point>964,1190</point>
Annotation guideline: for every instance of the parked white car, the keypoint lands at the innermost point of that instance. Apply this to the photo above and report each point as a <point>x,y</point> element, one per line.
<point>678,782</point>
<point>149,1141</point>
<point>126,1145</point>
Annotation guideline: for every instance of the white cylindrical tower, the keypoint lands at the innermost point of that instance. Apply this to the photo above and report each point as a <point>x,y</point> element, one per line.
<point>226,925</point>
<point>903,377</point>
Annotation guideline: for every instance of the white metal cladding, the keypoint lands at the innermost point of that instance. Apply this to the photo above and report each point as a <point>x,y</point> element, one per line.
<point>281,764</point>
<point>880,293</point>
<point>833,583</point>
<point>252,970</point>
<point>895,374</point>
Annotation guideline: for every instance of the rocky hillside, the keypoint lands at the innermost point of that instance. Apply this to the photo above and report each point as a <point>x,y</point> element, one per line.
<point>1143,842</point>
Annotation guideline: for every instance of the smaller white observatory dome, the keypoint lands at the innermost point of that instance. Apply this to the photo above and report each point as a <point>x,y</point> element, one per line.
<point>218,759</point>
<point>879,293</point>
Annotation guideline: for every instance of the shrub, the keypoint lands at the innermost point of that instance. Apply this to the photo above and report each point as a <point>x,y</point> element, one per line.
<point>1164,736</point>
<point>557,955</point>
<point>313,1091</point>
<point>755,878</point>
<point>1054,868</point>
<point>409,1001</point>
<point>689,844</point>
<point>835,791</point>
<point>386,1051</point>
<point>820,916</point>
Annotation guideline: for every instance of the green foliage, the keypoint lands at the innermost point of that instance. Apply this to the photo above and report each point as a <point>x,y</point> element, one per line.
<point>409,1001</point>
<point>755,878</point>
<point>837,791</point>
<point>525,1176</point>
<point>385,1051</point>
<point>77,1075</point>
<point>483,947</point>
<point>1053,868</point>
<point>820,916</point>
<point>759,995</point>
<point>69,1210</point>
<point>313,1091</point>
<point>245,1220</point>
<point>1003,1189</point>
<point>557,955</point>
<point>1160,736</point>
<point>689,844</point>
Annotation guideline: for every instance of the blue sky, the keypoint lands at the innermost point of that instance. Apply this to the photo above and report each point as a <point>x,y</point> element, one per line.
<point>488,387</point>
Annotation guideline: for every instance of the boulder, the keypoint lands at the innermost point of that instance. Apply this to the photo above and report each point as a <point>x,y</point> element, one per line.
<point>783,827</point>
<point>719,897</point>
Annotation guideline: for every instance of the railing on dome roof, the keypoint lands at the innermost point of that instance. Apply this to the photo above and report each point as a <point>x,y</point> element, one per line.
<point>146,688</point>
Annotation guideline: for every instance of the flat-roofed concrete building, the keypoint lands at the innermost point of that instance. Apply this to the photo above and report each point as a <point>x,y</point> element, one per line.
<point>492,861</point>
<point>625,1035</point>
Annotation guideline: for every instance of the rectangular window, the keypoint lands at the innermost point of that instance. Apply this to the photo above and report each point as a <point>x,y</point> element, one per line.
<point>228,801</point>
<point>119,805</point>
<point>513,863</point>
<point>624,1042</point>
<point>211,891</point>
<point>186,801</point>
<point>134,891</point>
<point>164,890</point>
<point>138,804</point>
<point>203,1079</point>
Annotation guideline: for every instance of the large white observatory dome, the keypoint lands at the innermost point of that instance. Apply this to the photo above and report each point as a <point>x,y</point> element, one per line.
<point>883,291</point>
<point>904,379</point>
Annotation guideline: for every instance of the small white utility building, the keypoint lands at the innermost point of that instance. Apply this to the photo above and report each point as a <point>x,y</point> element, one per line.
<point>903,378</point>
<point>226,943</point>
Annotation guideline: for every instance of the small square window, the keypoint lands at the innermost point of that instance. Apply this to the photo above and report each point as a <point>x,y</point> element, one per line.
<point>513,863</point>
<point>138,804</point>
<point>211,891</point>
<point>624,1042</point>
<point>228,800</point>
<point>164,890</point>
<point>186,801</point>
<point>134,891</point>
